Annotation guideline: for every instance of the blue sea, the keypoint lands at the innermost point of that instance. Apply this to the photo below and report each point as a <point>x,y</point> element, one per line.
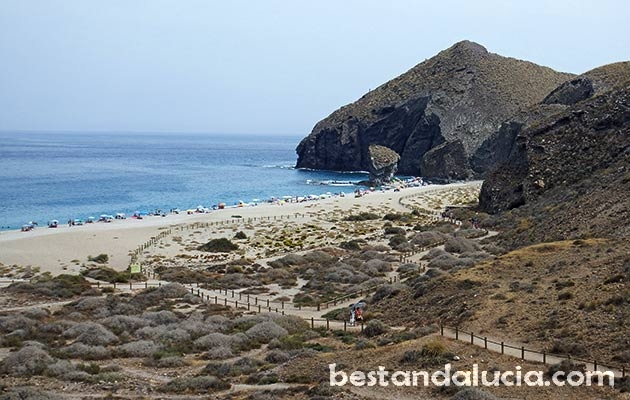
<point>45,176</point>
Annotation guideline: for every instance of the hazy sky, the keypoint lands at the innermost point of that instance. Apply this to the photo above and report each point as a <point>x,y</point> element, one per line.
<point>260,66</point>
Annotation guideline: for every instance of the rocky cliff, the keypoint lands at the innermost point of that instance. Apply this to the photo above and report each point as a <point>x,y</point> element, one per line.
<point>581,131</point>
<point>435,116</point>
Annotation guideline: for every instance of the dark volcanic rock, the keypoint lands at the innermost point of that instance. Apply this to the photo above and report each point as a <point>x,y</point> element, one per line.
<point>447,161</point>
<point>456,99</point>
<point>572,146</point>
<point>383,164</point>
<point>502,146</point>
<point>571,92</point>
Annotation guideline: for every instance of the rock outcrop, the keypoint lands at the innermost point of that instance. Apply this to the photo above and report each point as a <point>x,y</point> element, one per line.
<point>587,140</point>
<point>451,103</point>
<point>383,164</point>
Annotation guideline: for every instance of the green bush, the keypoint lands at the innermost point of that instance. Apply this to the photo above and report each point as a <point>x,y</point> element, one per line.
<point>221,245</point>
<point>363,216</point>
<point>395,230</point>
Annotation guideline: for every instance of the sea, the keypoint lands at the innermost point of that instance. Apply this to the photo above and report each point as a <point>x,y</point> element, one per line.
<point>62,176</point>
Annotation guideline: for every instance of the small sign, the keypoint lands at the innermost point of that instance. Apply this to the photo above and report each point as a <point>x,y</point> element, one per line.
<point>135,268</point>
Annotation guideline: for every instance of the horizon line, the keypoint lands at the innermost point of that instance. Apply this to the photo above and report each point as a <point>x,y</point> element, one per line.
<point>89,131</point>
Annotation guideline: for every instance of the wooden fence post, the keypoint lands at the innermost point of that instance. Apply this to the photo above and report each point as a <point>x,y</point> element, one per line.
<point>456,333</point>
<point>312,323</point>
<point>485,343</point>
<point>472,338</point>
<point>502,348</point>
<point>544,358</point>
<point>522,352</point>
<point>327,324</point>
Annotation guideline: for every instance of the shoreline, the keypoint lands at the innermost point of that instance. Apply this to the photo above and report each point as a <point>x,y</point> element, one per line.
<point>64,249</point>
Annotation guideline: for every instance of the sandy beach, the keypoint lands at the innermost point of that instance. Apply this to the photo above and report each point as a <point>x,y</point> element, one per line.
<point>66,249</point>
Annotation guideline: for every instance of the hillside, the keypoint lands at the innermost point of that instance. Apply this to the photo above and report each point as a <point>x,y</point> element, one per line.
<point>434,116</point>
<point>555,297</point>
<point>560,202</point>
<point>571,168</point>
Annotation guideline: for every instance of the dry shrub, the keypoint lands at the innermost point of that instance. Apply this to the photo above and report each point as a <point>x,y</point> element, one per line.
<point>288,261</point>
<point>124,323</point>
<point>36,313</point>
<point>139,348</point>
<point>264,332</point>
<point>218,353</point>
<point>277,356</point>
<point>163,317</point>
<point>242,366</point>
<point>376,267</point>
<point>59,368</point>
<point>196,326</point>
<point>408,268</point>
<point>85,352</point>
<point>195,384</point>
<point>386,291</point>
<point>166,362</point>
<point>91,333</point>
<point>28,393</point>
<point>375,327</point>
<point>218,323</point>
<point>461,245</point>
<point>28,361</point>
<point>292,324</point>
<point>152,296</point>
<point>428,238</point>
<point>60,286</point>
<point>448,261</point>
<point>213,340</point>
<point>12,323</point>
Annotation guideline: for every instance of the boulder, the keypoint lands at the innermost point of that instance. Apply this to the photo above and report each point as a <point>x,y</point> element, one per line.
<point>383,163</point>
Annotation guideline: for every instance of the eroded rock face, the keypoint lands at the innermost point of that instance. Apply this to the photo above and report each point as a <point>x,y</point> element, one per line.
<point>448,161</point>
<point>587,138</point>
<point>383,164</point>
<point>571,92</point>
<point>455,100</point>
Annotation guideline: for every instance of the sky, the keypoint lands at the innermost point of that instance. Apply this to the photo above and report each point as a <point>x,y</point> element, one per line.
<point>260,66</point>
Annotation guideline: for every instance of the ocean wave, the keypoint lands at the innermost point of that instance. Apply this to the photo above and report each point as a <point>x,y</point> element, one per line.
<point>330,183</point>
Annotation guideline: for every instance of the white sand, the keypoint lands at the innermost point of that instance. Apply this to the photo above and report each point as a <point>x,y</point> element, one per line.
<point>54,250</point>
